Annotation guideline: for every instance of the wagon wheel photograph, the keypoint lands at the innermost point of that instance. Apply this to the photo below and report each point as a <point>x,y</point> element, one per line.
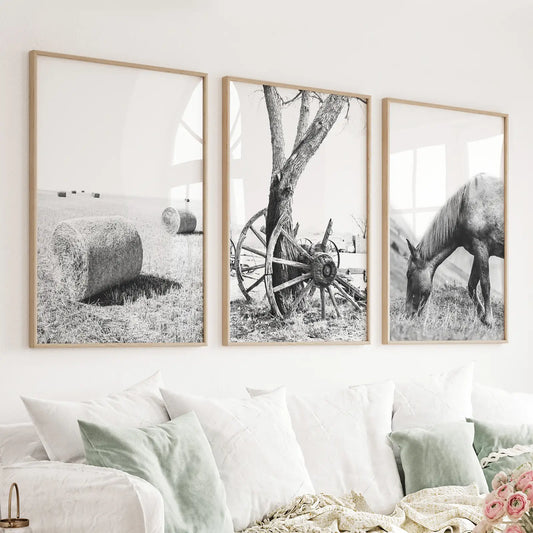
<point>250,254</point>
<point>293,276</point>
<point>316,271</point>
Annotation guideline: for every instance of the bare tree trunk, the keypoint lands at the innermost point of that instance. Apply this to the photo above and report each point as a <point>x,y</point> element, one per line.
<point>286,172</point>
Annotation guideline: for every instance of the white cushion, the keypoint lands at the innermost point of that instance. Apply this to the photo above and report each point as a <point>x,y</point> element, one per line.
<point>57,422</point>
<point>490,404</point>
<point>20,443</point>
<point>76,498</point>
<point>435,399</point>
<point>344,439</point>
<point>255,448</point>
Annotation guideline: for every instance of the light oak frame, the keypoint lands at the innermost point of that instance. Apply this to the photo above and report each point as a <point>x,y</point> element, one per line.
<point>386,103</point>
<point>226,172</point>
<point>33,169</point>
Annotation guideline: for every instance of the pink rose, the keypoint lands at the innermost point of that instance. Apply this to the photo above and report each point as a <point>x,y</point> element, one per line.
<point>494,509</point>
<point>513,528</point>
<point>517,472</point>
<point>528,491</point>
<point>505,491</point>
<point>499,479</point>
<point>524,479</point>
<point>517,505</point>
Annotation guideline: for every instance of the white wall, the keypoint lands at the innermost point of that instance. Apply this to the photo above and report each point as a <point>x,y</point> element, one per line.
<point>475,53</point>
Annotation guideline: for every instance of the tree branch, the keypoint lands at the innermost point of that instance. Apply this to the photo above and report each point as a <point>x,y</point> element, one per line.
<point>273,104</point>
<point>291,100</point>
<point>323,122</point>
<point>303,120</point>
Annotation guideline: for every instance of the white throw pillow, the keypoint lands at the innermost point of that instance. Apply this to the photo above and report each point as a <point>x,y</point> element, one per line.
<point>20,443</point>
<point>490,404</point>
<point>57,422</point>
<point>434,400</point>
<point>344,439</point>
<point>255,448</point>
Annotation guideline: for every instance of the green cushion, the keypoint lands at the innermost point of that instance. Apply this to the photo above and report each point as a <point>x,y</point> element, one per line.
<point>175,457</point>
<point>439,456</point>
<point>491,438</point>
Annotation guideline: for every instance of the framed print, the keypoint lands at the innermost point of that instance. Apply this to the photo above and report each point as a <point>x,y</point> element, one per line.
<point>296,167</point>
<point>117,214</point>
<point>444,223</point>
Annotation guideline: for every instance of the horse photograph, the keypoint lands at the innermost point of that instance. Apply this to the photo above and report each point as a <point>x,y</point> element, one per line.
<point>445,179</point>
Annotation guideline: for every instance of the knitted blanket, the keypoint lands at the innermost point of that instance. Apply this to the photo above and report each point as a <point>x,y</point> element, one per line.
<point>442,510</point>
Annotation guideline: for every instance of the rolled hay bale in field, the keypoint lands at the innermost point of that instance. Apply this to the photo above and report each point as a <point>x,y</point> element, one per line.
<point>178,220</point>
<point>73,192</point>
<point>96,195</point>
<point>62,194</point>
<point>92,254</point>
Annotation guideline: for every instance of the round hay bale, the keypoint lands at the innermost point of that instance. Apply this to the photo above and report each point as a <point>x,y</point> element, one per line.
<point>92,254</point>
<point>73,192</point>
<point>178,220</point>
<point>62,194</point>
<point>96,195</point>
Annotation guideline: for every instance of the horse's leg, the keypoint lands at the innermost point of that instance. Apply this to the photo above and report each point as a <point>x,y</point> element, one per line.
<point>484,279</point>
<point>472,287</point>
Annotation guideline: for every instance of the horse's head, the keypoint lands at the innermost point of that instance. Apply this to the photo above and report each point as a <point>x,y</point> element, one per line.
<point>419,282</point>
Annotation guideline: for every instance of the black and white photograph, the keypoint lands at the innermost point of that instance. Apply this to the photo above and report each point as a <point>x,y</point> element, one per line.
<point>296,172</point>
<point>116,203</point>
<point>444,223</point>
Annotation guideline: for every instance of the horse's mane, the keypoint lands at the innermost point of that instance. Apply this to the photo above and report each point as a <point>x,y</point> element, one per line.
<point>443,226</point>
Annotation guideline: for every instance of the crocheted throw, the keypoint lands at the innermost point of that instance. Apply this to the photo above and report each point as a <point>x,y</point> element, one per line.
<point>442,510</point>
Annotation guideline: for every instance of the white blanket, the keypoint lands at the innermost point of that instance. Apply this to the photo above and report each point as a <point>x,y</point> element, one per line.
<point>443,510</point>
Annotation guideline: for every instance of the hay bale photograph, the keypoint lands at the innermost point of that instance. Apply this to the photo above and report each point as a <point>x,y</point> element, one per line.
<point>92,254</point>
<point>178,220</point>
<point>445,242</point>
<point>296,215</point>
<point>117,270</point>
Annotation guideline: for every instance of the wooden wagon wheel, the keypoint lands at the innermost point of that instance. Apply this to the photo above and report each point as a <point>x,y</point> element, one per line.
<point>231,255</point>
<point>331,248</point>
<point>318,270</point>
<point>253,240</point>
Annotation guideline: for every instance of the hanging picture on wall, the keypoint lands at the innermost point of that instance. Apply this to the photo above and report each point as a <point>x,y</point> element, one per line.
<point>444,223</point>
<point>295,214</point>
<point>116,203</point>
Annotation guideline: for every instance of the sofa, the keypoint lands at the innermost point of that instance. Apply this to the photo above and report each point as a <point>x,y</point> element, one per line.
<point>269,448</point>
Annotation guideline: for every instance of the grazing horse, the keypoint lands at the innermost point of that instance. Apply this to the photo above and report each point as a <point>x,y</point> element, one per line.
<point>472,218</point>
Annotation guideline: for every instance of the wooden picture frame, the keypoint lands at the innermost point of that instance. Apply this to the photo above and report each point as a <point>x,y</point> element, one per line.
<point>461,323</point>
<point>255,225</point>
<point>98,277</point>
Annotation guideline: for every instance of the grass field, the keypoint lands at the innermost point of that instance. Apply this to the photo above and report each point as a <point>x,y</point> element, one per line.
<point>253,322</point>
<point>449,315</point>
<point>162,305</point>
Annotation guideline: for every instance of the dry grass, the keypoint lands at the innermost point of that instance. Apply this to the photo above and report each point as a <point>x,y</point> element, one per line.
<point>449,315</point>
<point>163,305</point>
<point>252,322</point>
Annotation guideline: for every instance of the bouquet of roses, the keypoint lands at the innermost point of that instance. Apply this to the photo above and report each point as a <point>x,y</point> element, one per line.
<point>509,506</point>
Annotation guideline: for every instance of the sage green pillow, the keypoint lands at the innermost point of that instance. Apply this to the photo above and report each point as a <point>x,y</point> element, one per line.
<point>491,438</point>
<point>175,457</point>
<point>439,456</point>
